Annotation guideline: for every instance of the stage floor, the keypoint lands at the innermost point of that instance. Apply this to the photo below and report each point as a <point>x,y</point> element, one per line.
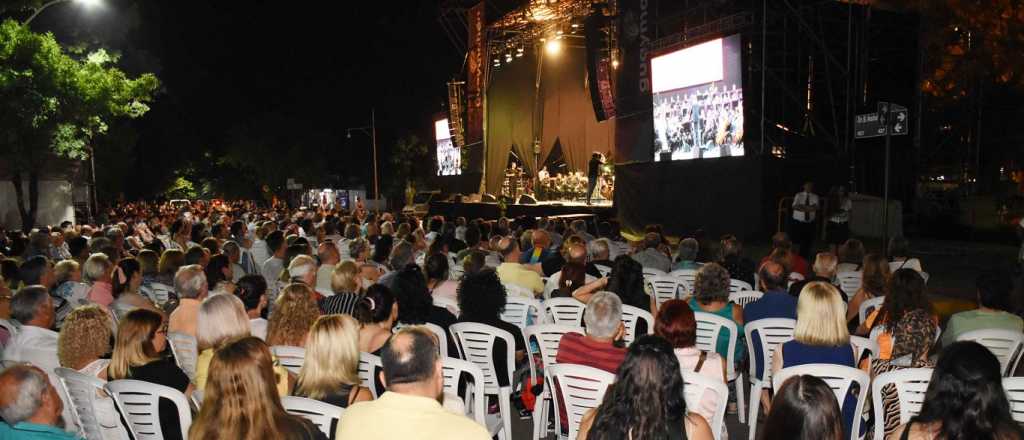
<point>489,211</point>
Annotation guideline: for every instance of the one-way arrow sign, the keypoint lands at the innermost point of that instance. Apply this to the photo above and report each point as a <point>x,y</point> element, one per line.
<point>869,125</point>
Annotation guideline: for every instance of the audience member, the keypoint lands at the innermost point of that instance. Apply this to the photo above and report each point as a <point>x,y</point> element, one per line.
<point>686,255</point>
<point>601,347</point>
<point>626,281</point>
<point>330,372</point>
<point>539,249</point>
<point>913,338</point>
<point>739,267</point>
<point>711,295</point>
<point>481,300</point>
<point>874,277</point>
<point>676,323</point>
<point>293,315</point>
<point>510,271</point>
<point>252,290</point>
<point>96,272</point>
<point>905,293</point>
<point>377,311</point>
<point>993,302</point>
<point>437,271</point>
<point>415,305</point>
<point>805,408</point>
<point>572,276</point>
<point>34,343</point>
<point>651,255</point>
<point>127,282</point>
<point>345,286</point>
<point>30,406</point>
<point>600,255</point>
<point>329,257</point>
<point>851,256</point>
<point>795,262</point>
<point>824,270</point>
<point>899,252</point>
<point>190,283</point>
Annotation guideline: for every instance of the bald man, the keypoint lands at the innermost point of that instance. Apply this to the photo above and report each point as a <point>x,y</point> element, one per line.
<point>776,302</point>
<point>30,406</point>
<point>510,271</point>
<point>328,255</point>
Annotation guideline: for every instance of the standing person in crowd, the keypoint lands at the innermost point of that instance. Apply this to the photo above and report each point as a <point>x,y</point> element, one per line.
<point>30,406</point>
<point>913,339</point>
<point>804,409</point>
<point>252,290</point>
<point>838,226</point>
<point>739,267</point>
<point>965,399</point>
<point>240,400</point>
<point>899,252</point>
<point>905,293</point>
<point>646,400</point>
<point>377,312</point>
<point>141,337</point>
<point>676,323</point>
<point>294,314</point>
<point>805,211</point>
<point>874,277</point>
<point>414,380</point>
<point>994,290</point>
<point>330,372</point>
<point>651,256</point>
<point>190,283</point>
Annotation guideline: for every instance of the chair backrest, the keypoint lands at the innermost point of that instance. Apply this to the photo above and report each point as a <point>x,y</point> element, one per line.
<point>1014,387</point>
<point>696,385</point>
<point>477,343</point>
<point>868,306</point>
<point>448,303</point>
<point>159,293</point>
<point>369,366</point>
<point>687,275</point>
<point>603,270</point>
<point>453,370</point>
<point>290,357</point>
<point>519,311</point>
<point>630,316</point>
<point>138,403</point>
<point>850,282</point>
<point>911,385</point>
<point>861,345</point>
<point>739,286</point>
<point>323,415</point>
<point>551,284</point>
<point>746,297</point>
<point>708,328</point>
<point>580,389</point>
<point>517,290</point>
<point>1005,344</point>
<point>769,334</point>
<point>442,336</point>
<point>185,348</point>
<point>666,287</point>
<point>838,377</point>
<point>547,338</point>
<point>565,311</point>
<point>652,272</point>
<point>81,391</point>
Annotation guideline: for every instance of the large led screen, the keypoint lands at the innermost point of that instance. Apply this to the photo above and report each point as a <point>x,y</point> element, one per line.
<point>449,158</point>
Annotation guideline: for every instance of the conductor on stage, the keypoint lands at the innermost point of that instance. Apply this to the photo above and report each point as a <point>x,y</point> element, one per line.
<point>593,170</point>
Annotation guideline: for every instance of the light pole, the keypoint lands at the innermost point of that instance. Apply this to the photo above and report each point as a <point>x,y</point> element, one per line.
<point>53,2</point>
<point>370,131</point>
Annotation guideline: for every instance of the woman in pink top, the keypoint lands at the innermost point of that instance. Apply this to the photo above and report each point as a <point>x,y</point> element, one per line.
<point>676,323</point>
<point>97,270</point>
<point>436,268</point>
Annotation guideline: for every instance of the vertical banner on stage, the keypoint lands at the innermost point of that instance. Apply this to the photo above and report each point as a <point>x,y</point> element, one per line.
<point>634,129</point>
<point>598,70</point>
<point>475,77</point>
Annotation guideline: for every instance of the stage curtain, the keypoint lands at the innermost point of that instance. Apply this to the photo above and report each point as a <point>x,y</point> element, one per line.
<point>510,98</point>
<point>569,112</point>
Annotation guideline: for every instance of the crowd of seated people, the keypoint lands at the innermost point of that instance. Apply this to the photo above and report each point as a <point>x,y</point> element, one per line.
<point>239,279</point>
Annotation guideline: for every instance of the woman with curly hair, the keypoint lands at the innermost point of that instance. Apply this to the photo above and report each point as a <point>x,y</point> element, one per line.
<point>83,340</point>
<point>905,293</point>
<point>874,276</point>
<point>646,400</point>
<point>415,305</point>
<point>711,295</point>
<point>293,315</point>
<point>481,300</point>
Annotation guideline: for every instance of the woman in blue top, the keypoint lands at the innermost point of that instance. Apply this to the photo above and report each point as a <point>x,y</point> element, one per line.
<point>711,295</point>
<point>820,337</point>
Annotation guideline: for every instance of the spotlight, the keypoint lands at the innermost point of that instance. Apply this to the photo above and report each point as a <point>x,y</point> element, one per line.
<point>615,64</point>
<point>553,47</point>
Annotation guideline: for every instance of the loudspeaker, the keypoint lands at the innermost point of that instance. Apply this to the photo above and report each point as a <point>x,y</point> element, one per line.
<point>527,199</point>
<point>598,69</point>
<point>488,198</point>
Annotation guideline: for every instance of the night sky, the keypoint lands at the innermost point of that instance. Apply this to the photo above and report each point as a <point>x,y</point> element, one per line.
<point>228,62</point>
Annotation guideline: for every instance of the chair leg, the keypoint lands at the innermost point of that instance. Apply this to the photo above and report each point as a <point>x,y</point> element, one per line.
<point>755,408</point>
<point>504,407</point>
<point>740,398</point>
<point>538,417</point>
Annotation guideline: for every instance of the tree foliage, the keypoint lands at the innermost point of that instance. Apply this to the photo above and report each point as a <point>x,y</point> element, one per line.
<point>53,104</point>
<point>410,161</point>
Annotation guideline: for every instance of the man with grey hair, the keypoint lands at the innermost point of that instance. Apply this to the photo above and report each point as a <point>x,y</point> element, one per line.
<point>234,253</point>
<point>652,256</point>
<point>579,227</point>
<point>686,256</point>
<point>34,343</point>
<point>190,284</point>
<point>602,346</point>
<point>30,406</point>
<point>600,255</point>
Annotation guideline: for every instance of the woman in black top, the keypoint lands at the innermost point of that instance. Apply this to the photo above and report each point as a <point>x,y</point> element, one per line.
<point>482,298</point>
<point>415,304</point>
<point>141,337</point>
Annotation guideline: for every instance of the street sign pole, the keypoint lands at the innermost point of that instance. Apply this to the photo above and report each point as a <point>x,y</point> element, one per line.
<point>885,191</point>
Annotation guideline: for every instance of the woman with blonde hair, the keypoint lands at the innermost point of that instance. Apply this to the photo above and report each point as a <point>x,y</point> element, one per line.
<point>874,276</point>
<point>83,340</point>
<point>820,336</point>
<point>221,319</point>
<point>294,313</point>
<point>240,401</point>
<point>330,372</point>
<point>141,337</point>
<point>345,283</point>
<point>301,269</point>
<point>170,261</point>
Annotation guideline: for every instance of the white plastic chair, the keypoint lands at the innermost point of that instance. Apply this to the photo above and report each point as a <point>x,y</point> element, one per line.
<point>184,348</point>
<point>708,327</point>
<point>474,397</point>
<point>667,287</point>
<point>547,337</point>
<point>911,385</point>
<point>565,311</point>
<point>838,377</point>
<point>323,415</point>
<point>515,290</point>
<point>551,283</point>
<point>519,311</point>
<point>1005,344</point>
<point>769,334</point>
<point>868,306</point>
<point>696,385</point>
<point>1014,387</point>
<point>82,394</point>
<point>850,282</point>
<point>369,366</point>
<point>794,277</point>
<point>746,297</point>
<point>604,270</point>
<point>736,286</point>
<point>580,389</point>
<point>861,345</point>
<point>448,303</point>
<point>138,403</point>
<point>630,316</point>
<point>289,357</point>
<point>159,293</point>
<point>652,272</point>
<point>477,344</point>
<point>687,275</point>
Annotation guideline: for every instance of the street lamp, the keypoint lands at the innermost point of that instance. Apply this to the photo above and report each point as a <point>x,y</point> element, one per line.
<point>370,131</point>
<point>53,2</point>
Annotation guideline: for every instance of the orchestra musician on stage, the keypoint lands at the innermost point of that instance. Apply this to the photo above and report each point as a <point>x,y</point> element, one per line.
<point>593,172</point>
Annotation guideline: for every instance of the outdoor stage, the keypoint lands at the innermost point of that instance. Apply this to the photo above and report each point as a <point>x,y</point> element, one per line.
<point>601,210</point>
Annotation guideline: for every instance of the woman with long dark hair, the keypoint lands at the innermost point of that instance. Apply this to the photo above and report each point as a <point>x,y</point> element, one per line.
<point>646,401</point>
<point>965,399</point>
<point>805,408</point>
<point>904,293</point>
<point>626,280</point>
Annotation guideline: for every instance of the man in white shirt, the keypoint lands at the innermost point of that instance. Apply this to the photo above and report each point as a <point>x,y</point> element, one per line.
<point>805,210</point>
<point>273,266</point>
<point>328,254</point>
